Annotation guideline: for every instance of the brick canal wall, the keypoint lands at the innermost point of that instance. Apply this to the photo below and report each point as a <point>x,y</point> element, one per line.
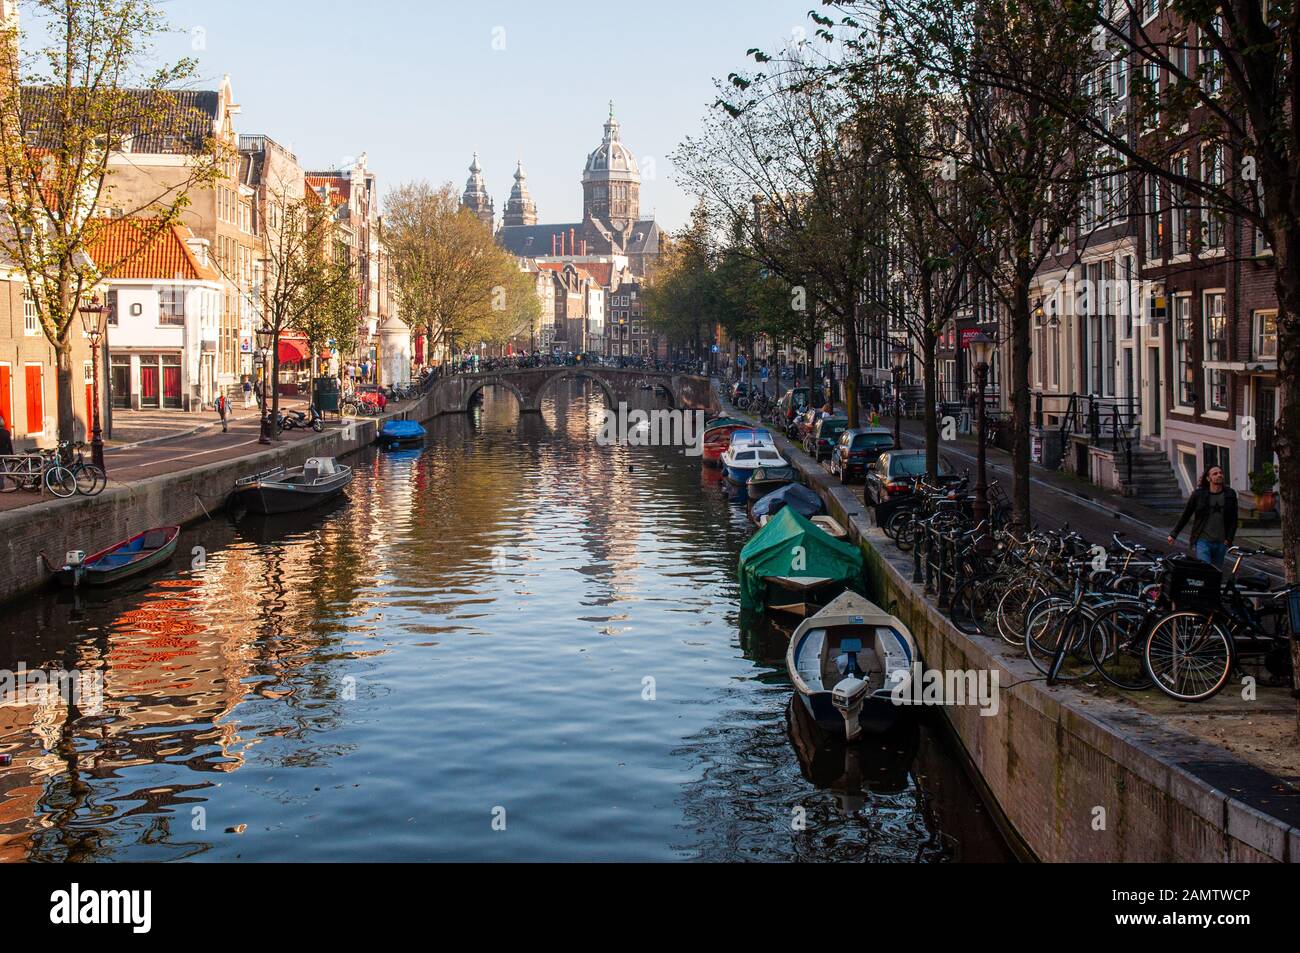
<point>56,526</point>
<point>1051,757</point>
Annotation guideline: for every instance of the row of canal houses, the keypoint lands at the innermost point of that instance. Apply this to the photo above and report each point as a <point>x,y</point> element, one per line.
<point>182,312</point>
<point>1154,329</point>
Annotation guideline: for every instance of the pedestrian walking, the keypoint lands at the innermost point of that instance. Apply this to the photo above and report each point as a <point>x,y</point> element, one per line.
<point>223,408</point>
<point>6,439</point>
<point>1212,511</point>
<point>248,392</point>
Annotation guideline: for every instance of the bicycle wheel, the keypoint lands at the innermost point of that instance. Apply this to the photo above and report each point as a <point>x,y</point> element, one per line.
<point>1054,623</point>
<point>1116,640</point>
<point>1012,607</point>
<point>1188,656</point>
<point>60,482</point>
<point>90,479</point>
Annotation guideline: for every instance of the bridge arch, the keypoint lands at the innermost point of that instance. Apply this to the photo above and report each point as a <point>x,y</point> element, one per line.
<point>501,381</point>
<point>574,371</point>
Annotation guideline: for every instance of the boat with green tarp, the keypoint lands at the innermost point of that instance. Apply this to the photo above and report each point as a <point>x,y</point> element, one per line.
<point>792,566</point>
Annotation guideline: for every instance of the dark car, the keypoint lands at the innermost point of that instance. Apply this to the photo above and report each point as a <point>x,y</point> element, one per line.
<point>857,448</point>
<point>823,436</point>
<point>798,399</point>
<point>738,390</point>
<point>892,474</point>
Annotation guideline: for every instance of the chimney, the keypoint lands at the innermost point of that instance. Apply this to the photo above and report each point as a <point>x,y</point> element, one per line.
<point>572,244</point>
<point>552,244</point>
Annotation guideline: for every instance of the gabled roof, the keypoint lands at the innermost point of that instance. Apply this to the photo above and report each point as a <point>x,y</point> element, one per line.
<point>340,186</point>
<point>184,126</point>
<point>530,240</point>
<point>166,258</point>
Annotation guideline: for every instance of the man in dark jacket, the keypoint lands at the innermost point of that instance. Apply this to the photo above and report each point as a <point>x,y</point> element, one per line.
<point>1212,511</point>
<point>6,440</point>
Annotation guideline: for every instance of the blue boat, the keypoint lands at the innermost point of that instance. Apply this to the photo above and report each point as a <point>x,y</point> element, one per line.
<point>400,433</point>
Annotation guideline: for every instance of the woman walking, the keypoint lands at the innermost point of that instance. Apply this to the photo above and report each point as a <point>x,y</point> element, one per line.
<point>1212,511</point>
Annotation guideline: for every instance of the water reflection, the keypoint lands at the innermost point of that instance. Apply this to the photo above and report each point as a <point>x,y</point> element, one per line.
<point>512,618</point>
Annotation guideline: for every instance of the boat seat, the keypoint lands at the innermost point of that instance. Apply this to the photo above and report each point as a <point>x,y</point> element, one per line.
<point>154,539</point>
<point>113,560</point>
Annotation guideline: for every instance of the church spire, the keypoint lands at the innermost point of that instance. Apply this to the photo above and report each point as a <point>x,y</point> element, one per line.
<point>520,209</point>
<point>475,197</point>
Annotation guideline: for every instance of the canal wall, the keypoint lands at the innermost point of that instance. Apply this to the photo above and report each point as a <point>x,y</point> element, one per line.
<point>1076,776</point>
<point>54,527</point>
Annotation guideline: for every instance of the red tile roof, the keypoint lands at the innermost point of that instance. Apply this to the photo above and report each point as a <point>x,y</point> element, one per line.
<point>119,246</point>
<point>340,187</point>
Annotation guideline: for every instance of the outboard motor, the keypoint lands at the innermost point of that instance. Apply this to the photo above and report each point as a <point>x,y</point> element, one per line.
<point>851,691</point>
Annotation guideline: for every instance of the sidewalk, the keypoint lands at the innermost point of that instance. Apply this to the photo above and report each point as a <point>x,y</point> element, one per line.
<point>193,440</point>
<point>132,427</point>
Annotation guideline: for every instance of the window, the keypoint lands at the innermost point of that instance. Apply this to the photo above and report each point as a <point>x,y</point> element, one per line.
<point>110,302</point>
<point>171,306</point>
<point>1216,456</point>
<point>1154,229</point>
<point>1216,351</point>
<point>1211,218</point>
<point>1178,208</point>
<point>31,320</point>
<point>1152,71</point>
<point>1183,380</point>
<point>1150,8</point>
<point>1265,345</point>
<point>1211,68</point>
<point>1180,55</point>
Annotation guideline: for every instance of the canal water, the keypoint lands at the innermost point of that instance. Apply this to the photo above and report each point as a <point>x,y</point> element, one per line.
<point>514,644</point>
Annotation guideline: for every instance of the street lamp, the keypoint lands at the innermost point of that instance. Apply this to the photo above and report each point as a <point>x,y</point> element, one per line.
<point>898,358</point>
<point>92,320</point>
<point>265,336</point>
<point>981,352</point>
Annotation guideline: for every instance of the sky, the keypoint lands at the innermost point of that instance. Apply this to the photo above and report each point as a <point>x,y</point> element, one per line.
<point>418,87</point>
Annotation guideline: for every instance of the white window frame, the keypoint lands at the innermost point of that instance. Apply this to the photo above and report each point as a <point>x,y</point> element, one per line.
<point>1257,336</point>
<point>1209,373</point>
<point>31,318</point>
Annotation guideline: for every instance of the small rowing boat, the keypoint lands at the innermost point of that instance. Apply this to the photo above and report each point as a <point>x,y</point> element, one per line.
<point>123,560</point>
<point>400,433</point>
<point>846,662</point>
<point>287,490</point>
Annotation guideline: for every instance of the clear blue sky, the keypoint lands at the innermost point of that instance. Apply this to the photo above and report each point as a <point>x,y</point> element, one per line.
<point>419,86</point>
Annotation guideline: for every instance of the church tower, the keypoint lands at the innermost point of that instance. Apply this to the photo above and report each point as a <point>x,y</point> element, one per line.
<point>611,181</point>
<point>520,209</point>
<point>476,198</point>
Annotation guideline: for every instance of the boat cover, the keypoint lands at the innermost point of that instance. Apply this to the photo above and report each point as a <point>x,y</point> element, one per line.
<point>804,501</point>
<point>401,430</point>
<point>789,545</point>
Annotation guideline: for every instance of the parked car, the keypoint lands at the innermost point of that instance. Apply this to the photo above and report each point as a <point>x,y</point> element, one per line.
<point>891,475</point>
<point>856,448</point>
<point>798,399</point>
<point>823,437</point>
<point>739,389</point>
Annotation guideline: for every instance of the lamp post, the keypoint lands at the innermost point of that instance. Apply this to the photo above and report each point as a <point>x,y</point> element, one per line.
<point>92,320</point>
<point>981,352</point>
<point>898,358</point>
<point>265,337</point>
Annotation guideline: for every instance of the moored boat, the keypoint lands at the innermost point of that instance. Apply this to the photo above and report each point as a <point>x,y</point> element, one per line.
<point>400,433</point>
<point>769,479</point>
<point>830,526</point>
<point>792,567</point>
<point>123,560</point>
<point>748,451</point>
<point>717,437</point>
<point>296,488</point>
<point>846,662</point>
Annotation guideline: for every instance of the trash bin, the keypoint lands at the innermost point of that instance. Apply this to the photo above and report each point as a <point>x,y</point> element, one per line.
<point>325,394</point>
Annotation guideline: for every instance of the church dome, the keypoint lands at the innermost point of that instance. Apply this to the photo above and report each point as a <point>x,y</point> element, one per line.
<point>611,160</point>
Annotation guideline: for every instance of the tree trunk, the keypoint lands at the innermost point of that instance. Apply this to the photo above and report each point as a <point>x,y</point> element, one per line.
<point>930,370</point>
<point>1286,440</point>
<point>1020,354</point>
<point>66,406</point>
<point>274,383</point>
<point>854,372</point>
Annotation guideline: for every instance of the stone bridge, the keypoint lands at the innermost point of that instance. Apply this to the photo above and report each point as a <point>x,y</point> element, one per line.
<point>452,395</point>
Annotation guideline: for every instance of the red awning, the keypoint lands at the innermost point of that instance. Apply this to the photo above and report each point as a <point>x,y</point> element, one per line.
<point>291,352</point>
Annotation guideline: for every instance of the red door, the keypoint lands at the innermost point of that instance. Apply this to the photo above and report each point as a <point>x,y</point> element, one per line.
<point>171,386</point>
<point>35,399</point>
<point>90,399</point>
<point>6,388</point>
<point>148,385</point>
